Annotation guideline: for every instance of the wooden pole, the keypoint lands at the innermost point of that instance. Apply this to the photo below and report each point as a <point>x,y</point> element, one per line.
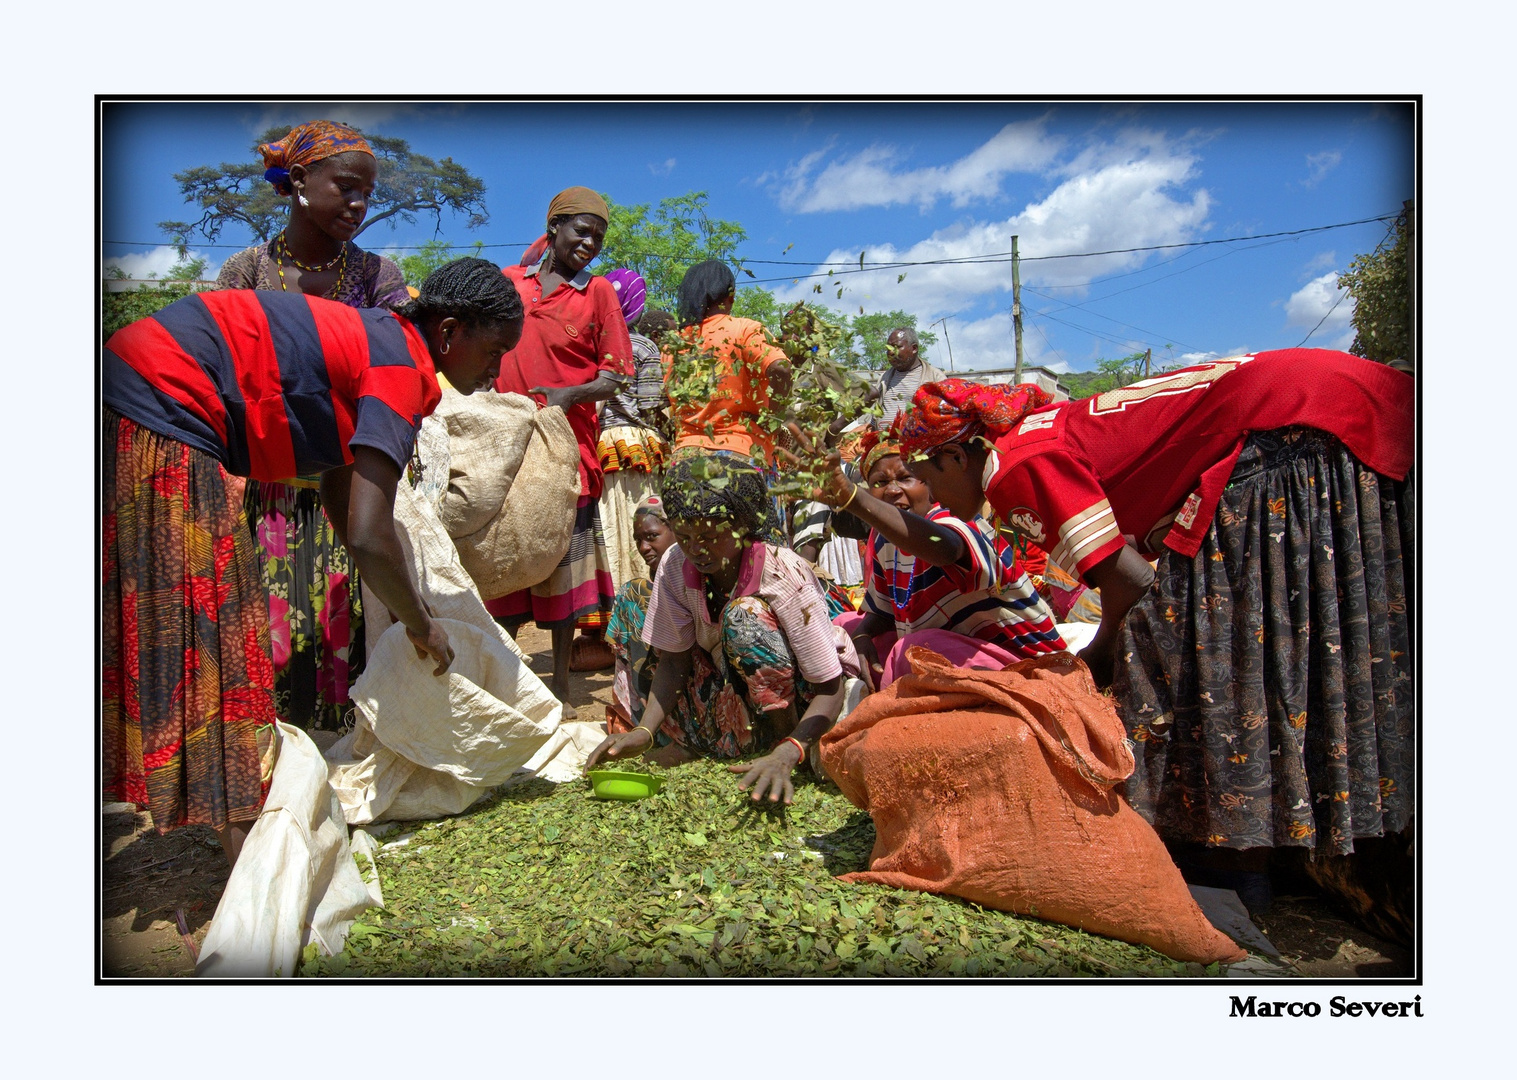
<point>946,341</point>
<point>1148,355</point>
<point>1016,307</point>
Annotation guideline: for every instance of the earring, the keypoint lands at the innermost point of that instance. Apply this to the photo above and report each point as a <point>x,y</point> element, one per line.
<point>303,200</point>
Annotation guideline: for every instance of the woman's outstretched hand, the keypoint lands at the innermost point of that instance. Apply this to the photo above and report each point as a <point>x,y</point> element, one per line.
<point>837,489</point>
<point>434,644</point>
<point>627,744</point>
<point>770,774</point>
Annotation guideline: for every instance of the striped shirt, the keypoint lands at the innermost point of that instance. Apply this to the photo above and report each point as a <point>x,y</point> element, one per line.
<point>677,618</point>
<point>991,599</point>
<point>1150,460</point>
<point>273,385</point>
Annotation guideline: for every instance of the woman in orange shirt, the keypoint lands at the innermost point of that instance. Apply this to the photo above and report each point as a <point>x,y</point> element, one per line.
<point>722,388</point>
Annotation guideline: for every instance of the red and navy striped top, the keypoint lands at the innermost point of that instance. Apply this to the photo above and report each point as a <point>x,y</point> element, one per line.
<point>992,600</point>
<point>273,385</point>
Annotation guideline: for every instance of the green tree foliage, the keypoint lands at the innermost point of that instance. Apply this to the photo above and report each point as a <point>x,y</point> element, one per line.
<point>760,305</point>
<point>662,242</point>
<point>1108,375</point>
<point>433,254</point>
<point>1380,285</point>
<point>118,309</point>
<point>235,193</point>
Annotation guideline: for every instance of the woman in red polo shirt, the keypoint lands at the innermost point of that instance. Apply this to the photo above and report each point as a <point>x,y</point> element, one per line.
<point>575,351</point>
<point>1264,673</point>
<point>262,385</point>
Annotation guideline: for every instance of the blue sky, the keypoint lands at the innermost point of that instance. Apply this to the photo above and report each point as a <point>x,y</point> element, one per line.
<point>901,182</point>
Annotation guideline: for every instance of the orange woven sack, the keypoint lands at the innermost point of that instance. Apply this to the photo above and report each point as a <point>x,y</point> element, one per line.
<point>999,787</point>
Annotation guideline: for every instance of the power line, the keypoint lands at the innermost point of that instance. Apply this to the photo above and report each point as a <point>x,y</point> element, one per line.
<point>1343,293</point>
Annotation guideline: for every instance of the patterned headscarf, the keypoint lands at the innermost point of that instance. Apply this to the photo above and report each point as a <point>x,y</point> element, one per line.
<point>306,145</point>
<point>874,445</point>
<point>631,293</point>
<point>567,203</point>
<point>958,411</point>
<point>652,506</point>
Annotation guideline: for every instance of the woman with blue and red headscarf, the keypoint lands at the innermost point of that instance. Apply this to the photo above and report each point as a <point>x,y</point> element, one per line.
<point>328,171</point>
<point>1264,671</point>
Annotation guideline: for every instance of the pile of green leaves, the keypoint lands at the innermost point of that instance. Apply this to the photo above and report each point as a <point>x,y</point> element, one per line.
<point>545,880</point>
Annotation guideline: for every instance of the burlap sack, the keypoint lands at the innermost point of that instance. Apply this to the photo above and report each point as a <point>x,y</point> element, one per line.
<point>1002,787</point>
<point>513,485</point>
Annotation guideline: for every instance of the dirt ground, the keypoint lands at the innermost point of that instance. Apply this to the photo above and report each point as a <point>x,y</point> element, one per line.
<point>149,881</point>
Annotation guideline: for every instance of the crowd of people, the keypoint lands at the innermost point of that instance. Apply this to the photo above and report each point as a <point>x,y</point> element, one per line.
<point>1242,530</point>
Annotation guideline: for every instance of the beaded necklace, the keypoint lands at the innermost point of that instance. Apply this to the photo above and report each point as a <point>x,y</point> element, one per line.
<point>282,251</point>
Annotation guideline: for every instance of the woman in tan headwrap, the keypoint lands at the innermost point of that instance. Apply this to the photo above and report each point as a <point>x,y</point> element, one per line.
<point>575,351</point>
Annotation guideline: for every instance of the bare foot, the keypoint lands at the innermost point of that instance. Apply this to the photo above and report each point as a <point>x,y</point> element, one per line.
<point>570,712</point>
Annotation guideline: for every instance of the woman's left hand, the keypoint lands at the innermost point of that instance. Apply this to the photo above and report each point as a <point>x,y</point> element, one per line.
<point>838,488</point>
<point>770,774</point>
<point>1101,662</point>
<point>561,396</point>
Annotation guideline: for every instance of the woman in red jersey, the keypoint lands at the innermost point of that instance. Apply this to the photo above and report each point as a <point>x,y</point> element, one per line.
<point>262,385</point>
<point>1264,671</point>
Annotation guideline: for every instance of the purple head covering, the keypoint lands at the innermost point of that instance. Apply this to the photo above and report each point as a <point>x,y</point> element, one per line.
<point>631,292</point>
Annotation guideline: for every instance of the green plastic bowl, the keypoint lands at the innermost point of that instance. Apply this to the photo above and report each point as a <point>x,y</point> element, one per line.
<point>610,784</point>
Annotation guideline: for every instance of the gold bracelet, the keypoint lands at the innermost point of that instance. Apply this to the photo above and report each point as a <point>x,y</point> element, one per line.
<point>652,736</point>
<point>854,494</point>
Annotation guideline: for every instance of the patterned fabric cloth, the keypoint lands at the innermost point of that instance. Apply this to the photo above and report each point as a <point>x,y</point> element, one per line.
<point>898,387</point>
<point>307,144</point>
<point>636,662</point>
<point>186,679</point>
<point>632,449</point>
<point>624,490</point>
<point>370,280</point>
<point>680,616</point>
<point>579,592</point>
<point>1266,683</point>
<point>725,711</point>
<point>991,599</point>
<point>638,404</point>
<point>959,411</point>
<point>315,614</point>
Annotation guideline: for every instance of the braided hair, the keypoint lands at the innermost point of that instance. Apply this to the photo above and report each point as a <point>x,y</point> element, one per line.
<point>470,290</point>
<point>701,487</point>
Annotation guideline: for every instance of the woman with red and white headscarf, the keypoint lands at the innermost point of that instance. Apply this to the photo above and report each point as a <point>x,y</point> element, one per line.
<point>632,452</point>
<point>574,353</point>
<point>1264,672</point>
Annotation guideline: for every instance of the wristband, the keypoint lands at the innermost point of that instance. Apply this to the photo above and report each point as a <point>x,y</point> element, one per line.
<point>652,737</point>
<point>796,743</point>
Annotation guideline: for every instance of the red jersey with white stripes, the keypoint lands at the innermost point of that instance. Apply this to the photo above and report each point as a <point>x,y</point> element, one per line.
<point>273,385</point>
<point>1150,460</point>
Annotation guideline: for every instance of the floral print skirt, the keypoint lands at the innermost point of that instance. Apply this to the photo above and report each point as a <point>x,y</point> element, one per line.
<point>315,614</point>
<point>726,710</point>
<point>187,686</point>
<point>1266,683</point>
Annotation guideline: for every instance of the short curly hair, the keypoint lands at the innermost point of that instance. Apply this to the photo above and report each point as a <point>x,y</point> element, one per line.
<point>470,290</point>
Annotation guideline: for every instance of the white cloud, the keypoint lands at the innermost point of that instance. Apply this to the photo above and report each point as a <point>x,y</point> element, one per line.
<point>876,176</point>
<point>662,170</point>
<point>1320,165</point>
<point>1132,196</point>
<point>158,261</point>
<point>1312,302</point>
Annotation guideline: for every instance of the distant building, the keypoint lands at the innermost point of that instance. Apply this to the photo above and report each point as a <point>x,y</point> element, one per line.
<point>1046,378</point>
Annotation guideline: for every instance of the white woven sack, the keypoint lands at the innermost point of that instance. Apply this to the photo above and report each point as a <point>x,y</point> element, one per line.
<point>527,538</point>
<point>487,439</point>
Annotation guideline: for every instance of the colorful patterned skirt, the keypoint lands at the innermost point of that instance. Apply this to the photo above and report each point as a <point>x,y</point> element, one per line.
<point>1266,683</point>
<point>315,614</point>
<point>579,592</point>
<point>632,458</point>
<point>635,660</point>
<point>727,710</point>
<point>186,678</point>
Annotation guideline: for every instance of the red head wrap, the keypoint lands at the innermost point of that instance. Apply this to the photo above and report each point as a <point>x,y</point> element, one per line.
<point>306,145</point>
<point>957,411</point>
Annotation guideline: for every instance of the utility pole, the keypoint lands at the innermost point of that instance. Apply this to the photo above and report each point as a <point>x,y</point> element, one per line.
<point>944,321</point>
<point>1016,307</point>
<point>1148,355</point>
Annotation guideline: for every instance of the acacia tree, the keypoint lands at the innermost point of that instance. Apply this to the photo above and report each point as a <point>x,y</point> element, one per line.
<point>662,242</point>
<point>1379,283</point>
<point>235,193</point>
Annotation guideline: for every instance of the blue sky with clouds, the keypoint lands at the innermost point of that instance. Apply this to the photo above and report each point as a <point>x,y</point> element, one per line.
<point>927,183</point>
